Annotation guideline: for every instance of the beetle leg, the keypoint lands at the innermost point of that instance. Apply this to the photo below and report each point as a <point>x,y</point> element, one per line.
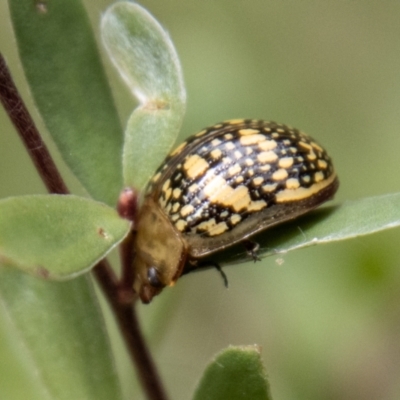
<point>217,267</point>
<point>252,249</point>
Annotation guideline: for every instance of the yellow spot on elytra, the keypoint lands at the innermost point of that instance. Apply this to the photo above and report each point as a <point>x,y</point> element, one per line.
<point>175,207</point>
<point>176,193</point>
<point>322,164</point>
<point>249,150</point>
<point>249,131</point>
<point>222,194</point>
<point>271,187</point>
<point>216,187</point>
<point>238,154</point>
<point>186,210</point>
<point>267,145</point>
<point>267,157</point>
<point>178,177</point>
<point>180,225</point>
<point>228,136</point>
<point>224,214</point>
<point>206,225</point>
<point>174,217</point>
<point>280,130</point>
<point>178,149</point>
<point>265,167</point>
<point>235,218</point>
<point>167,193</point>
<point>311,156</point>
<point>251,139</point>
<point>218,229</point>
<point>317,147</point>
<point>256,205</point>
<point>318,177</point>
<point>306,178</point>
<point>229,146</point>
<point>239,179</point>
<point>249,162</point>
<point>166,185</point>
<point>258,181</point>
<point>302,193</point>
<point>216,142</point>
<point>235,121</point>
<point>279,175</point>
<point>292,183</point>
<point>305,145</point>
<point>227,160</point>
<point>234,170</point>
<point>285,162</point>
<point>216,153</point>
<point>193,188</point>
<point>156,177</point>
<point>195,166</point>
<point>239,199</point>
<point>201,133</point>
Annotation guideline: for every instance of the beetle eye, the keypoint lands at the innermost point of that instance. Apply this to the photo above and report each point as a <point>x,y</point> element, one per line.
<point>152,276</point>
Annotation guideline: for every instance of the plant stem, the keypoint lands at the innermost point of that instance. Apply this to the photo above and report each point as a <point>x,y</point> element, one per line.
<point>129,326</point>
<point>120,303</point>
<point>26,128</point>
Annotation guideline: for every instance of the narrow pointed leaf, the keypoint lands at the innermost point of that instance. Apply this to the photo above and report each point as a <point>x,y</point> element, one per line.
<point>329,224</point>
<point>67,81</point>
<point>236,373</point>
<point>146,59</point>
<point>57,236</point>
<point>54,345</point>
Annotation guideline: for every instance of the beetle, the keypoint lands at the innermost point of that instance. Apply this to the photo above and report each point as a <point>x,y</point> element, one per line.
<point>219,188</point>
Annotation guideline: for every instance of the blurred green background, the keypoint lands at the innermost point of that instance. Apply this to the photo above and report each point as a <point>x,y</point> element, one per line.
<point>327,317</point>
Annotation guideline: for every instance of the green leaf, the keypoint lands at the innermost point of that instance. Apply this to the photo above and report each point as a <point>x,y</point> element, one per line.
<point>329,224</point>
<point>54,344</point>
<point>146,59</point>
<point>65,75</point>
<point>56,236</point>
<point>236,373</point>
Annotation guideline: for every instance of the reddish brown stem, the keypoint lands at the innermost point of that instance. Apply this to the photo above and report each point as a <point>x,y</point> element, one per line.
<point>26,128</point>
<point>134,339</point>
<point>122,306</point>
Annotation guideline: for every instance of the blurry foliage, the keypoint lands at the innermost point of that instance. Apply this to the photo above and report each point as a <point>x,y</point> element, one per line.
<point>328,317</point>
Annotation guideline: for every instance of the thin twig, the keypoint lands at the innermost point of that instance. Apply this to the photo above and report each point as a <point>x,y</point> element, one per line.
<point>135,342</point>
<point>26,128</point>
<point>122,305</point>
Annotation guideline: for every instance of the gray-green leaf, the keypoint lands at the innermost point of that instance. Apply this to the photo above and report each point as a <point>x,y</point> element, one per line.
<point>56,236</point>
<point>69,86</point>
<point>145,57</point>
<point>53,342</point>
<point>237,373</point>
<point>328,224</point>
